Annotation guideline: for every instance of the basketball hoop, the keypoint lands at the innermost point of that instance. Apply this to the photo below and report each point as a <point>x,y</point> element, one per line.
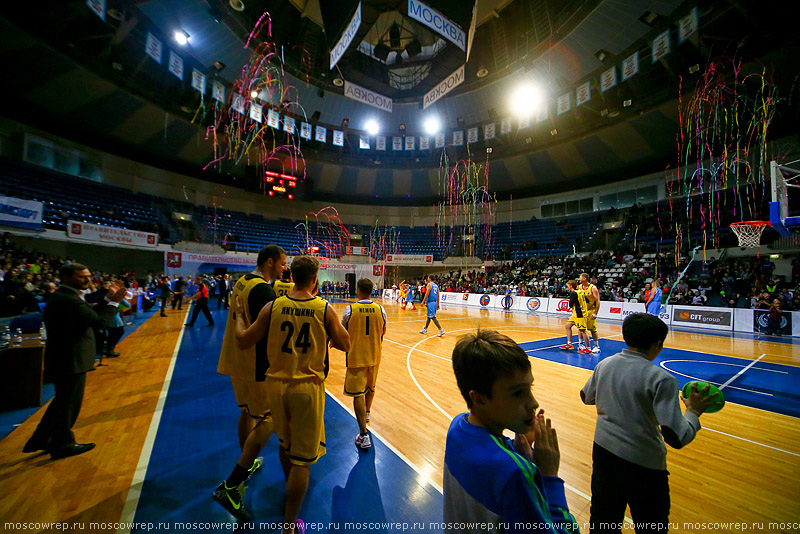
<point>749,232</point>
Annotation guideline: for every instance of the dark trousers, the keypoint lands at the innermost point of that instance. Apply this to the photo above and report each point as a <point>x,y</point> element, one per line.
<point>222,299</point>
<point>113,336</point>
<point>164,299</point>
<point>177,299</point>
<point>201,304</point>
<point>617,483</point>
<point>61,414</point>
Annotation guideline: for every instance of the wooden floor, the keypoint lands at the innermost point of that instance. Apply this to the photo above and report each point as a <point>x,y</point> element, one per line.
<point>743,467</point>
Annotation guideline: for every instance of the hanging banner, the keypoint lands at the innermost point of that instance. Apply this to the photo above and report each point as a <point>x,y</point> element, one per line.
<point>424,142</point>
<point>505,126</point>
<point>473,25</point>
<point>660,47</point>
<point>288,125</point>
<point>437,22</point>
<point>363,142</point>
<point>370,98</point>
<point>524,122</point>
<point>541,113</point>
<point>153,47</point>
<point>458,138</point>
<point>99,8</point>
<point>380,142</point>
<point>256,112</point>
<point>630,66</point>
<point>583,94</point>
<point>108,234</point>
<point>347,37</point>
<point>563,104</point>
<point>406,259</point>
<point>218,91</point>
<point>397,143</point>
<point>687,26</point>
<point>321,134</point>
<point>273,119</point>
<point>199,81</point>
<point>190,264</point>
<point>439,140</point>
<point>608,79</point>
<point>410,142</point>
<point>305,130</point>
<point>21,213</point>
<point>338,138</point>
<point>445,86</point>
<point>489,130</point>
<point>176,64</point>
<point>238,103</point>
<point>472,134</point>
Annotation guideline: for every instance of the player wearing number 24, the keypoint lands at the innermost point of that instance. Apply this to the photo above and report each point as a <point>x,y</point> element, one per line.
<point>297,327</point>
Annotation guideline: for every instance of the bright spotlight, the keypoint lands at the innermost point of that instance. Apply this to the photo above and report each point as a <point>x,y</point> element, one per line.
<point>526,99</point>
<point>253,94</point>
<point>432,125</point>
<point>372,127</point>
<point>181,37</point>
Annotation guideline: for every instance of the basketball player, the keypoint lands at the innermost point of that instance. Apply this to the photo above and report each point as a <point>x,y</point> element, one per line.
<point>284,286</point>
<point>653,301</point>
<point>578,318</point>
<point>592,296</point>
<point>409,296</point>
<point>247,369</point>
<point>365,321</point>
<point>432,302</point>
<point>297,328</point>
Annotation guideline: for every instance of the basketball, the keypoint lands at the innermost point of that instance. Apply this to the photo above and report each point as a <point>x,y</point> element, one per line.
<point>713,391</point>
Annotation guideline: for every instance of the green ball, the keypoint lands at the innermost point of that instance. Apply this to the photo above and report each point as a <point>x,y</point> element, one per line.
<point>713,391</point>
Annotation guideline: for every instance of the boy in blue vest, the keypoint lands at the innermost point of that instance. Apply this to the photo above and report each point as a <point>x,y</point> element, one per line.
<point>488,480</point>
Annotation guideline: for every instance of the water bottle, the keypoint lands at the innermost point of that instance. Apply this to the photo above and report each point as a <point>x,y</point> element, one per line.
<point>6,340</point>
<point>42,333</point>
<point>18,337</point>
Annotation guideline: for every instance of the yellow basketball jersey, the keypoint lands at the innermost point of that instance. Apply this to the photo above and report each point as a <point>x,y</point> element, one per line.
<point>581,293</point>
<point>234,361</point>
<point>590,301</point>
<point>366,335</point>
<point>297,342</point>
<point>283,288</point>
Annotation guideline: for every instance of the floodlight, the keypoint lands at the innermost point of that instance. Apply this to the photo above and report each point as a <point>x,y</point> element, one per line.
<point>181,37</point>
<point>526,99</point>
<point>432,125</point>
<point>372,127</point>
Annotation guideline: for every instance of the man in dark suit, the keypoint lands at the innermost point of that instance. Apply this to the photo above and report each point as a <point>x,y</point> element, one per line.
<point>69,354</point>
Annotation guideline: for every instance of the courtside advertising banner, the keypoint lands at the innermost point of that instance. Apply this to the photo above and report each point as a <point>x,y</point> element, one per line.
<point>21,213</point>
<point>409,259</point>
<point>702,317</point>
<point>761,322</point>
<point>559,306</point>
<point>190,264</point>
<point>81,231</point>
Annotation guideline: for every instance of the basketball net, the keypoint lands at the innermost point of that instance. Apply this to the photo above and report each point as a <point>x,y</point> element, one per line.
<point>749,232</point>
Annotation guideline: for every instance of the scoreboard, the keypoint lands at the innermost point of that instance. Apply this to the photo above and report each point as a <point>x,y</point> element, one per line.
<point>280,185</point>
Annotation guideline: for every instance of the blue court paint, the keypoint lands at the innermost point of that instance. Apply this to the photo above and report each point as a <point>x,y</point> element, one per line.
<point>197,446</point>
<point>767,386</point>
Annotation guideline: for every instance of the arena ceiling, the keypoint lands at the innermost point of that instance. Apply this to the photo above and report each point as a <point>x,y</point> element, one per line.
<point>69,73</point>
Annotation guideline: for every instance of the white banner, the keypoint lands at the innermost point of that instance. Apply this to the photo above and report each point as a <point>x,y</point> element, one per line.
<point>687,26</point>
<point>472,134</point>
<point>559,306</point>
<point>153,47</point>
<point>661,46</point>
<point>288,125</point>
<point>439,140</point>
<point>438,23</point>
<point>445,86</point>
<point>358,251</point>
<point>218,91</point>
<point>541,113</point>
<point>108,234</point>
<point>321,134</point>
<point>630,66</point>
<point>397,143</point>
<point>273,119</point>
<point>608,79</point>
<point>583,93</point>
<point>370,98</point>
<point>424,142</point>
<point>199,81</point>
<point>363,142</point>
<point>256,112</point>
<point>305,130</point>
<point>380,142</point>
<point>176,64</point>
<point>505,126</point>
<point>347,37</point>
<point>563,104</point>
<point>410,142</point>
<point>338,138</point>
<point>524,122</point>
<point>458,138</point>
<point>409,259</point>
<point>238,103</point>
<point>21,213</point>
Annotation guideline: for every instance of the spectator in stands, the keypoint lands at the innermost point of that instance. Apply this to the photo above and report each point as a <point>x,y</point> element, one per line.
<point>69,354</point>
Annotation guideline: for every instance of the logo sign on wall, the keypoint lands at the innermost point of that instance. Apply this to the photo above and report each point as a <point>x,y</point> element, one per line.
<point>688,315</point>
<point>466,297</point>
<point>533,304</point>
<point>507,302</point>
<point>563,305</point>
<point>485,300</point>
<point>174,259</point>
<point>761,322</point>
<point>377,270</point>
<point>444,297</point>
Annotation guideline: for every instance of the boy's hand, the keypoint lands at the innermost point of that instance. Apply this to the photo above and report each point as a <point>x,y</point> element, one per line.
<point>698,401</point>
<point>545,450</point>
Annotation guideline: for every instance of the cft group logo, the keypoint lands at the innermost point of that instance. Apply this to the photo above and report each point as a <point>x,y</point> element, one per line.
<point>485,300</point>
<point>684,315</point>
<point>533,304</point>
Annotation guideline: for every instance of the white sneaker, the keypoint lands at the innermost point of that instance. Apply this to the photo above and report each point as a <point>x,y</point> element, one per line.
<point>363,441</point>
<point>581,346</point>
<point>596,350</point>
<point>424,331</point>
<point>441,333</point>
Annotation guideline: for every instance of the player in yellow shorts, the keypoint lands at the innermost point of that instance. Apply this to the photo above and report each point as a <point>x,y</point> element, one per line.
<point>578,318</point>
<point>298,327</point>
<point>365,321</point>
<point>247,369</point>
<point>592,296</point>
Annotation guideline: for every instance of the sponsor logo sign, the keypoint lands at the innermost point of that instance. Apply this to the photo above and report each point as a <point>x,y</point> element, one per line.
<point>563,306</point>
<point>485,300</point>
<point>507,302</point>
<point>109,234</point>
<point>437,22</point>
<point>377,270</point>
<point>445,86</point>
<point>761,322</point>
<point>444,296</point>
<point>409,258</point>
<point>347,37</point>
<point>356,92</point>
<point>695,316</point>
<point>615,309</point>
<point>466,296</point>
<point>174,259</point>
<point>533,304</point>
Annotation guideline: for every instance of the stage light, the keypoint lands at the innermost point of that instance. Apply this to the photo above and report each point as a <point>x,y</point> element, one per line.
<point>372,127</point>
<point>432,125</point>
<point>526,99</point>
<point>181,37</point>
<point>253,94</point>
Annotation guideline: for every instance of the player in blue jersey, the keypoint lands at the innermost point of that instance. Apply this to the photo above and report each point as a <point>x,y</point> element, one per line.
<point>432,302</point>
<point>654,299</point>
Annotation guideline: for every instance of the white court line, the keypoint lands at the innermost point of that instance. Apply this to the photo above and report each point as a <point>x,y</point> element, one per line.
<point>737,375</point>
<point>132,501</point>
<point>751,441</point>
<point>556,346</point>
